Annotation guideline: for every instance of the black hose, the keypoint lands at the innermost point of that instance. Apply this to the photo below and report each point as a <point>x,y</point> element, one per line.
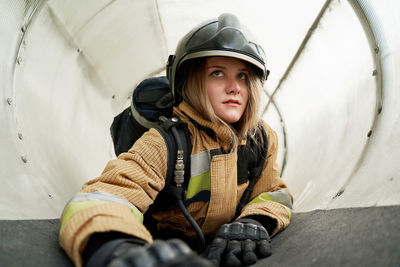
<point>178,196</point>
<point>194,224</point>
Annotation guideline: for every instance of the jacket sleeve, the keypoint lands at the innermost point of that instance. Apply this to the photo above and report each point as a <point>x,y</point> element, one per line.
<point>271,196</point>
<point>117,200</point>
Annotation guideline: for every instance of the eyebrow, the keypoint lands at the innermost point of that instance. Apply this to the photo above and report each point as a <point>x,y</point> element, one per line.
<point>216,66</point>
<point>222,67</point>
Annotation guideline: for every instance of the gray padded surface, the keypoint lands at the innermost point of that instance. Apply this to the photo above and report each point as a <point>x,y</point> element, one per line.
<point>340,237</point>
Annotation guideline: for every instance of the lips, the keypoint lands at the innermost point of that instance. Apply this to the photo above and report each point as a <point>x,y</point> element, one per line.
<point>232,101</point>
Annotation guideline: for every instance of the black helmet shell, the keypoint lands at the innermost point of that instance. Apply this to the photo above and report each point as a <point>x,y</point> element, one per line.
<point>224,36</point>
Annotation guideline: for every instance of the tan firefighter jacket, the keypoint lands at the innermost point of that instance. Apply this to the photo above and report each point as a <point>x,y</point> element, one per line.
<point>117,200</point>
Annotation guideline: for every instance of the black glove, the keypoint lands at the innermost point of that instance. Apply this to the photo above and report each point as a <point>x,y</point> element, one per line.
<point>239,243</point>
<point>127,252</point>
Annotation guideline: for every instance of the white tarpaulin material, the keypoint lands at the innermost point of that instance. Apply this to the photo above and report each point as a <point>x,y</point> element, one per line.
<point>68,67</point>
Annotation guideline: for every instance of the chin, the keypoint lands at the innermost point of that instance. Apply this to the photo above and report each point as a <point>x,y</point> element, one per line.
<point>231,120</point>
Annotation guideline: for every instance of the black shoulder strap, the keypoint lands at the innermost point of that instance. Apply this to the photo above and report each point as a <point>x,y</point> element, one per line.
<point>256,151</point>
<point>166,130</point>
<point>179,147</point>
<point>176,188</point>
<point>262,150</point>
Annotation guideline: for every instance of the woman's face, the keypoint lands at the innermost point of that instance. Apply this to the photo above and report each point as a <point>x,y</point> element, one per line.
<point>227,87</point>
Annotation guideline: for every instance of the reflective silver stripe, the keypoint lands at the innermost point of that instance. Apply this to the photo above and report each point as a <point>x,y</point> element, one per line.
<point>100,196</point>
<point>200,163</point>
<point>281,196</point>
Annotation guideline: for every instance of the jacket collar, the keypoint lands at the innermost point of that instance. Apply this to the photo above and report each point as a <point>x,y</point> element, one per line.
<point>223,133</point>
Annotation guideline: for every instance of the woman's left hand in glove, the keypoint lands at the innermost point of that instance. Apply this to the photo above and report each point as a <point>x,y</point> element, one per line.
<point>239,243</point>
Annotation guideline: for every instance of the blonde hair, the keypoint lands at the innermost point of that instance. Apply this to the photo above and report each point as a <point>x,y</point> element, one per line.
<point>195,94</point>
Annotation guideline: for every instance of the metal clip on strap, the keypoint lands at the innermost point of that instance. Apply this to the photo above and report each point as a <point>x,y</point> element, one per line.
<point>179,169</point>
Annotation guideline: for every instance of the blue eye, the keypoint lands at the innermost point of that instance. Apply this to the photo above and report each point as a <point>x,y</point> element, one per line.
<point>217,73</point>
<point>242,76</point>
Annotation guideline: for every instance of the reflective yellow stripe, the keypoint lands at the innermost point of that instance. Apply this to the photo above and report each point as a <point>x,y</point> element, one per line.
<point>83,201</point>
<point>200,177</point>
<point>200,163</point>
<point>75,207</point>
<point>199,183</point>
<point>281,196</point>
<point>261,198</point>
<point>289,211</point>
<point>265,197</point>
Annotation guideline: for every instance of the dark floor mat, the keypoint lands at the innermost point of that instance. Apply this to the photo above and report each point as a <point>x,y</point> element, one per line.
<point>340,237</point>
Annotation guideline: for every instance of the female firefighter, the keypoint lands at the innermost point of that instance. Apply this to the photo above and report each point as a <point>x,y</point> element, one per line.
<point>216,78</point>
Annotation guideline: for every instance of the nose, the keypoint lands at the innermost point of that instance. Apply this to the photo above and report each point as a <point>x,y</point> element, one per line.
<point>233,87</point>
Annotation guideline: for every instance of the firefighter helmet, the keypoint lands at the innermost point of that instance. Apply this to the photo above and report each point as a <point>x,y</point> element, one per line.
<point>224,36</point>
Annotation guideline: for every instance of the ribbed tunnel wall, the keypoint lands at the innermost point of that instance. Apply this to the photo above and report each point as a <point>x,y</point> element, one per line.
<point>68,67</point>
